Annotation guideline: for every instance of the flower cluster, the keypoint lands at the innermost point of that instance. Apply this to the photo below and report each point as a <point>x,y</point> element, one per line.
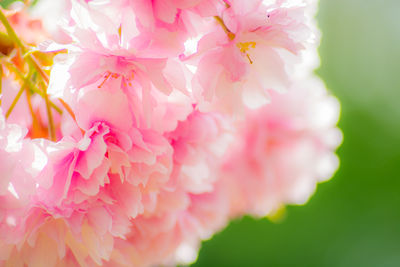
<point>139,128</point>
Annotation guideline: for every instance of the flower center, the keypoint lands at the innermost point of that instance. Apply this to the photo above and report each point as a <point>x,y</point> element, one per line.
<point>126,79</point>
<point>246,46</point>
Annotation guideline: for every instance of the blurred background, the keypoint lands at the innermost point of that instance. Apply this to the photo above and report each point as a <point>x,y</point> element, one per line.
<point>353,219</point>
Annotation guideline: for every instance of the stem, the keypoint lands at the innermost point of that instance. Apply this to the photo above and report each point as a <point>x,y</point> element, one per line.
<point>10,31</point>
<point>33,64</point>
<point>18,96</point>
<point>14,103</point>
<point>28,99</point>
<point>1,83</point>
<point>71,113</point>
<point>30,59</point>
<point>37,128</point>
<point>227,4</point>
<point>68,108</point>
<point>30,85</point>
<point>230,34</point>
<point>39,68</point>
<point>52,129</point>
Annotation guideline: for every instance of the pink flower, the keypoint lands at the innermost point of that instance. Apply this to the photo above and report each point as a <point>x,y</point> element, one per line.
<point>147,164</point>
<point>252,51</point>
<point>199,143</point>
<point>284,149</point>
<point>92,187</point>
<point>193,205</point>
<point>112,175</point>
<point>146,83</point>
<point>173,237</point>
<point>24,25</point>
<point>150,29</point>
<point>20,163</point>
<point>113,192</point>
<point>52,15</point>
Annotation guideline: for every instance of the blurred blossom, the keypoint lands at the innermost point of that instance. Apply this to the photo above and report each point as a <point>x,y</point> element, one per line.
<point>284,149</point>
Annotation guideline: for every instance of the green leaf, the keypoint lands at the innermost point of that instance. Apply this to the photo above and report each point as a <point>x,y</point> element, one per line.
<point>6,3</point>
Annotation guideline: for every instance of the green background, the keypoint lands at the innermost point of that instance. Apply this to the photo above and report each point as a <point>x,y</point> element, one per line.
<point>354,219</point>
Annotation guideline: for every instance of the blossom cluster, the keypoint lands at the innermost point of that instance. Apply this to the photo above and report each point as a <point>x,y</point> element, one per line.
<point>131,130</point>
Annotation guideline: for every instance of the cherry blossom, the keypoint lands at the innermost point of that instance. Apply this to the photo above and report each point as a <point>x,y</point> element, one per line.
<point>139,128</point>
